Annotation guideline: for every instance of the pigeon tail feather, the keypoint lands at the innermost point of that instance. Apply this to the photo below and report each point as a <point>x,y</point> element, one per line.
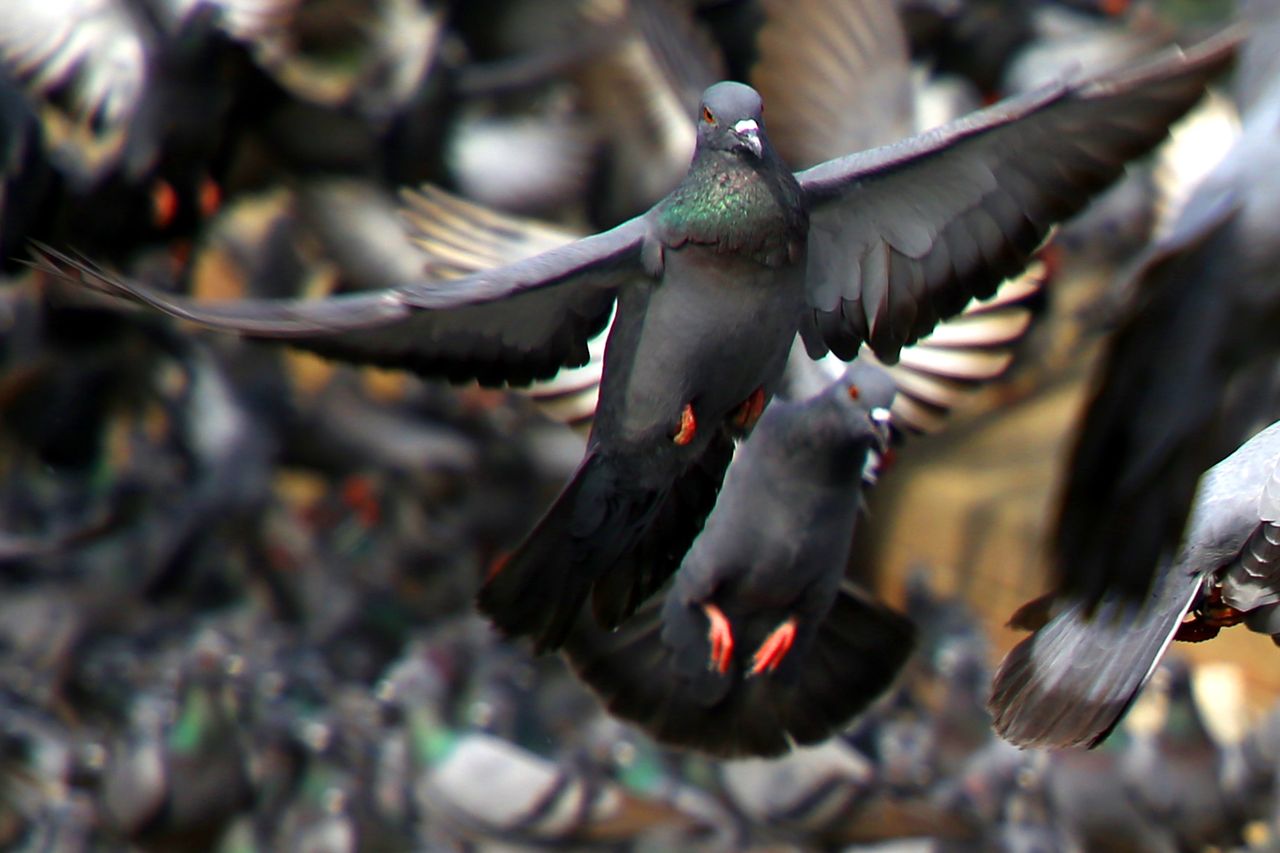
<point>540,589</point>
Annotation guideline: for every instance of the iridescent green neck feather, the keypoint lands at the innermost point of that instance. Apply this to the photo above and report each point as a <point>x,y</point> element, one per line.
<point>736,207</point>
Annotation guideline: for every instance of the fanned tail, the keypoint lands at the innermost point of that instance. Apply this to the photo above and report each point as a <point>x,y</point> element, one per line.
<point>539,590</point>
<point>636,671</point>
<point>1070,682</point>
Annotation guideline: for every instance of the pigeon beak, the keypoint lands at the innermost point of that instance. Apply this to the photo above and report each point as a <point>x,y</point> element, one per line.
<point>882,420</point>
<point>748,133</point>
<point>881,423</point>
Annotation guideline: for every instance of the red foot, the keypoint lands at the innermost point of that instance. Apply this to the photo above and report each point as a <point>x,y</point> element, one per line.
<point>774,648</point>
<point>688,426</point>
<point>1195,631</point>
<point>720,636</point>
<point>1208,618</point>
<point>746,415</point>
<point>164,203</point>
<point>210,197</point>
<point>358,493</point>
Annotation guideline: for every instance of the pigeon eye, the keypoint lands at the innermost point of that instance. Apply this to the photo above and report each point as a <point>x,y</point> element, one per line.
<point>707,116</point>
<point>853,392</point>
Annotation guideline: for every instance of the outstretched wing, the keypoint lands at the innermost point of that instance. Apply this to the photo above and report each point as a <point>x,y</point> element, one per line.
<point>904,235</point>
<point>508,325</point>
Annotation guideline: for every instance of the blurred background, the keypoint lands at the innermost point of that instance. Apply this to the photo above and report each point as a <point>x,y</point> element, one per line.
<point>236,580</point>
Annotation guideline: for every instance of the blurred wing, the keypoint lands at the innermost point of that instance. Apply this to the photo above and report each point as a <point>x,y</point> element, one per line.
<point>904,235</point>
<point>947,368</point>
<point>836,77</point>
<point>1196,145</point>
<point>91,48</point>
<point>1070,682</point>
<point>243,20</point>
<point>1259,72</point>
<point>1153,423</point>
<point>509,325</point>
<point>459,237</point>
<point>645,94</point>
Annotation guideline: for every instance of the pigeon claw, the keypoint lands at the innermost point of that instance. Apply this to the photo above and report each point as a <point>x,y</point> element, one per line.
<point>1195,631</point>
<point>720,636</point>
<point>774,648</point>
<point>688,426</point>
<point>1208,619</point>
<point>749,411</point>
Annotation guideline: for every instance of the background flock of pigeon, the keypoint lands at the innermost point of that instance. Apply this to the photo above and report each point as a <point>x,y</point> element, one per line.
<point>578,564</point>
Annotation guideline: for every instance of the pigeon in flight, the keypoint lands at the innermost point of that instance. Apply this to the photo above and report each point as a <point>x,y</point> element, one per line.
<point>712,284</point>
<point>1070,682</point>
<point>1201,317</point>
<point>758,643</point>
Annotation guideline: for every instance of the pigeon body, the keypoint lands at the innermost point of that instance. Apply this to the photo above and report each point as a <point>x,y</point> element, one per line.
<point>731,245</point>
<point>1204,304</point>
<point>712,283</point>
<point>1072,680</point>
<point>757,643</point>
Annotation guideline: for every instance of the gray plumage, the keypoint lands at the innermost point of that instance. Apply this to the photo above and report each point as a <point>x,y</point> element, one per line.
<point>1204,306</point>
<point>712,285</point>
<point>1069,683</point>
<point>771,558</point>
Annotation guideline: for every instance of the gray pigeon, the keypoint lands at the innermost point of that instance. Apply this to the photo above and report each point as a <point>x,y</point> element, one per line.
<point>1203,310</point>
<point>712,284</point>
<point>1070,682</point>
<point>757,643</point>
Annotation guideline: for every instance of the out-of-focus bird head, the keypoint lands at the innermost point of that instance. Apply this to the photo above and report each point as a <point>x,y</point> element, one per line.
<point>731,119</point>
<point>872,389</point>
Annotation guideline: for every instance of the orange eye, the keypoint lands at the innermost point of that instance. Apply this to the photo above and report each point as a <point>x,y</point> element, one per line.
<point>707,116</point>
<point>853,392</point>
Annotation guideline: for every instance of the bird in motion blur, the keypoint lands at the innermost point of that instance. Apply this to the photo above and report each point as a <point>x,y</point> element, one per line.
<point>1171,397</point>
<point>712,284</point>
<point>1073,679</point>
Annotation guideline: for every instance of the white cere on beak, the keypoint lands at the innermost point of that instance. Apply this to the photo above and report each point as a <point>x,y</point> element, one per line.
<point>749,132</point>
<point>882,420</point>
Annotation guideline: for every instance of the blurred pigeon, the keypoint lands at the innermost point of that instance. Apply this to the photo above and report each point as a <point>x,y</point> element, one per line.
<point>836,77</point>
<point>1090,802</point>
<point>643,94</point>
<point>1069,683</point>
<point>830,794</point>
<point>178,775</point>
<point>134,101</point>
<point>901,236</point>
<point>979,39</point>
<point>757,644</point>
<point>1155,421</point>
<point>800,791</point>
<point>1174,770</point>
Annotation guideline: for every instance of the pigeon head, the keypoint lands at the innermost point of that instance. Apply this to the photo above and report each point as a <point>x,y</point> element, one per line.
<point>731,118</point>
<point>875,386</point>
<point>840,434</point>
